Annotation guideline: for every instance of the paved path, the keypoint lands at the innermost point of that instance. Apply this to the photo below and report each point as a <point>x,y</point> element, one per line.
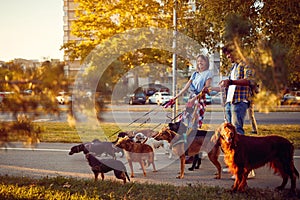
<point>52,159</point>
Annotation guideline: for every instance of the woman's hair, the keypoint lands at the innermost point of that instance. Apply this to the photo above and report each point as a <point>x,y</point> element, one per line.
<point>204,58</point>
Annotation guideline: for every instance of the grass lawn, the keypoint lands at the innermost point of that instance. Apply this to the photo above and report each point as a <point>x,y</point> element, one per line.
<point>71,188</point>
<point>62,132</point>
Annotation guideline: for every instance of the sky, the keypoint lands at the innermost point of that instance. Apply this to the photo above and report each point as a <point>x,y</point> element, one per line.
<point>31,29</point>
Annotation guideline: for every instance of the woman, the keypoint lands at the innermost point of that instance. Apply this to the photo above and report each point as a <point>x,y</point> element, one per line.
<point>199,80</point>
<point>193,115</point>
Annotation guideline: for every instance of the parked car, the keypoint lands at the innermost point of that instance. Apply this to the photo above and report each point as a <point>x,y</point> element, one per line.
<point>217,98</point>
<point>64,98</point>
<point>5,95</point>
<point>135,98</point>
<point>207,99</point>
<point>291,98</point>
<point>160,98</point>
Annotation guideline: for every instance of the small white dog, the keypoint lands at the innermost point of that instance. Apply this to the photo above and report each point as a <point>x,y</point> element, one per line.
<point>155,144</point>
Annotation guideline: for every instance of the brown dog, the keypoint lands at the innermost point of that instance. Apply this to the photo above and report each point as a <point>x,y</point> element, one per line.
<point>137,152</point>
<point>193,147</point>
<point>244,153</point>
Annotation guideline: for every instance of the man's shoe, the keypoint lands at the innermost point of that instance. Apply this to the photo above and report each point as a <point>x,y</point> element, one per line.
<point>226,170</point>
<point>250,175</point>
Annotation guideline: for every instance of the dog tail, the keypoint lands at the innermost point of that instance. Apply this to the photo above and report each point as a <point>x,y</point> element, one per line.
<point>296,172</point>
<point>127,176</point>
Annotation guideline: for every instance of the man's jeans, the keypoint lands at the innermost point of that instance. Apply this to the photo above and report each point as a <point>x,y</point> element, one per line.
<point>235,114</point>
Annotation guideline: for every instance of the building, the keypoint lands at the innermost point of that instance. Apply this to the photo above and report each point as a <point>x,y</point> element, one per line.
<point>72,67</point>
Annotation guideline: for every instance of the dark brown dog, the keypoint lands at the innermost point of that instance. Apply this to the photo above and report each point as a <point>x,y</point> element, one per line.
<point>194,145</point>
<point>105,165</point>
<point>244,153</point>
<point>137,152</point>
<point>180,128</point>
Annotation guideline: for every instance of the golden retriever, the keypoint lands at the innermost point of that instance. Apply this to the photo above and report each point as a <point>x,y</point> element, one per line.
<point>244,153</point>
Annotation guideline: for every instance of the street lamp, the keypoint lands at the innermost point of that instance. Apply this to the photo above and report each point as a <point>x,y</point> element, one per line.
<point>174,64</point>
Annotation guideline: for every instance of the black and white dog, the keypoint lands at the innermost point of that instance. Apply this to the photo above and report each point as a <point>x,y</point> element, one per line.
<point>98,148</point>
<point>155,144</point>
<point>106,165</point>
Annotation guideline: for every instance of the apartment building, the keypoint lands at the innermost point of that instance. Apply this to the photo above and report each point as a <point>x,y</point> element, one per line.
<point>72,67</point>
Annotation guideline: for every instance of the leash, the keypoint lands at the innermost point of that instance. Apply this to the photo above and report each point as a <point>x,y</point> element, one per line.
<point>194,113</point>
<point>137,119</point>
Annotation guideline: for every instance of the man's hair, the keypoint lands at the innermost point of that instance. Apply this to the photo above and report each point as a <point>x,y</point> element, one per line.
<point>227,49</point>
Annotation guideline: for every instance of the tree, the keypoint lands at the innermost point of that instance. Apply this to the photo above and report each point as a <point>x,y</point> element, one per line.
<point>30,92</point>
<point>265,32</point>
<point>98,21</point>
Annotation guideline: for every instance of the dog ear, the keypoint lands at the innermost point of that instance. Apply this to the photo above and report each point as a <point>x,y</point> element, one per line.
<point>215,137</point>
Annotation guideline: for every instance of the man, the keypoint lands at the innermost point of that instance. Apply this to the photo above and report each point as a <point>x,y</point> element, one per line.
<point>238,92</point>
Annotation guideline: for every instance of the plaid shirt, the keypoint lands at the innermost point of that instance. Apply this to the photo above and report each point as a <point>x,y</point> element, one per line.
<point>241,93</point>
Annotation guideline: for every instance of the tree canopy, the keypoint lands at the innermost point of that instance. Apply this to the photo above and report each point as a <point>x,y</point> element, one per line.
<point>265,32</point>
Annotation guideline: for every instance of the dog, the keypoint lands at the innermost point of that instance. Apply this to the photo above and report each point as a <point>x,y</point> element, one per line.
<point>155,144</point>
<point>106,165</point>
<point>181,128</point>
<point>147,132</point>
<point>79,148</point>
<point>137,152</point>
<point>97,147</point>
<point>245,153</point>
<point>194,145</point>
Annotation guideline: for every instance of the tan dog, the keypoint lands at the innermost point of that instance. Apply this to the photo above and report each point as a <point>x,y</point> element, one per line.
<point>194,146</point>
<point>137,152</point>
<point>244,153</point>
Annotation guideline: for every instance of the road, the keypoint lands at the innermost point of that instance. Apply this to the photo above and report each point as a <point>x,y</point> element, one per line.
<point>52,159</point>
<point>127,114</point>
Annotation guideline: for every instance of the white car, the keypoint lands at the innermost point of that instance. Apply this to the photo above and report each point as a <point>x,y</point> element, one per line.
<point>64,98</point>
<point>160,98</point>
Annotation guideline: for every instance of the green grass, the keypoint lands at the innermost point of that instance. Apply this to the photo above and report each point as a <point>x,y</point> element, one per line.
<point>62,132</point>
<point>71,188</point>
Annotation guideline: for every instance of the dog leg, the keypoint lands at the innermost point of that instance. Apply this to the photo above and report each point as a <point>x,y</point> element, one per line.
<point>154,168</point>
<point>102,176</point>
<point>152,145</point>
<point>131,168</point>
<point>213,157</point>
<point>285,179</point>
<point>182,166</point>
<point>96,175</point>
<point>143,167</point>
<point>243,182</point>
<point>293,177</point>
